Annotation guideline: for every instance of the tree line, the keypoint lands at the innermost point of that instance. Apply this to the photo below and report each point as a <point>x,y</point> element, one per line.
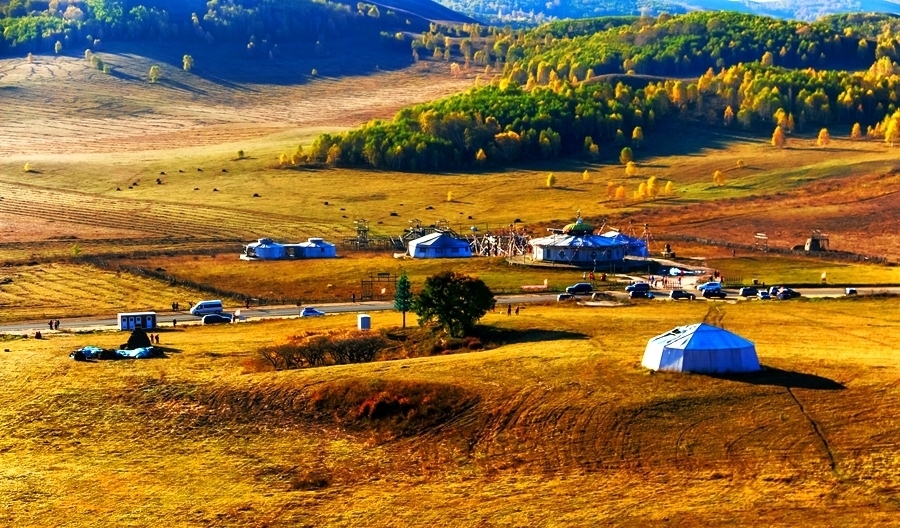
<point>32,26</point>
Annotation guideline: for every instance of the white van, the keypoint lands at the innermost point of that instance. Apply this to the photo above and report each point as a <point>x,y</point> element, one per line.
<point>207,307</point>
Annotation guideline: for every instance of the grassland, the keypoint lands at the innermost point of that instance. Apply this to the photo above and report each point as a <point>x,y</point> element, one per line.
<point>55,290</point>
<point>562,427</point>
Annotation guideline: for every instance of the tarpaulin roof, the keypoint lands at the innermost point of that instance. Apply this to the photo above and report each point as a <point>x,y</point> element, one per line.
<point>585,241</point>
<point>700,348</point>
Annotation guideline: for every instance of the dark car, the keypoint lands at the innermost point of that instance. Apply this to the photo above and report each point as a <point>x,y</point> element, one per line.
<point>713,294</point>
<point>581,287</point>
<point>787,293</point>
<point>763,295</point>
<point>748,292</point>
<point>681,294</point>
<point>216,318</point>
<point>638,287</point>
<point>850,291</point>
<point>641,295</point>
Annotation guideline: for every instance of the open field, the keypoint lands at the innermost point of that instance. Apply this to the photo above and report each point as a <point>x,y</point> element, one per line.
<point>55,290</point>
<point>562,425</point>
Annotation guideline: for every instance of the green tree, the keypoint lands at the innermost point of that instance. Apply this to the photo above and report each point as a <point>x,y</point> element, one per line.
<point>455,302</point>
<point>403,297</point>
<point>626,155</point>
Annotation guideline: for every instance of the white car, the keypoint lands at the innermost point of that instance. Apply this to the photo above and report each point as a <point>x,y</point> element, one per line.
<point>309,311</point>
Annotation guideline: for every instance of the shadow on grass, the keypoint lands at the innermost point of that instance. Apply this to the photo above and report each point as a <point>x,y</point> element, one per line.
<point>776,377</point>
<point>509,336</point>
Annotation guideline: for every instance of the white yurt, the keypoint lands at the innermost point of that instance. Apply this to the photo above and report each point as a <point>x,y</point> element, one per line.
<point>700,348</point>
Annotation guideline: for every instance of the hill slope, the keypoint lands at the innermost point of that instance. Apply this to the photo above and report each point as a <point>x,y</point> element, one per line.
<point>535,11</point>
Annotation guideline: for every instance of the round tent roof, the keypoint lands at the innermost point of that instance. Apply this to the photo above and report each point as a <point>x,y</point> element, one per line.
<point>700,348</point>
<point>578,228</point>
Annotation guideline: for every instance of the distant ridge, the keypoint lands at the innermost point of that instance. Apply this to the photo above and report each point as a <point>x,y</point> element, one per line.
<point>425,9</point>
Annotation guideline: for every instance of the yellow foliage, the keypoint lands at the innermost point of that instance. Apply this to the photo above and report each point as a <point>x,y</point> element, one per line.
<point>631,168</point>
<point>621,193</point>
<point>586,176</point>
<point>856,131</point>
<point>610,190</point>
<point>449,196</point>
<point>551,181</point>
<point>719,178</point>
<point>669,189</point>
<point>824,139</point>
<point>778,138</point>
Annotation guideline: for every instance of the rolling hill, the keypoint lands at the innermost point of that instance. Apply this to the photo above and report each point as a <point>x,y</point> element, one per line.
<point>533,11</point>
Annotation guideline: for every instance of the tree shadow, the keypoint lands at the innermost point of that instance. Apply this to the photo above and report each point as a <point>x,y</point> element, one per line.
<point>509,336</point>
<point>777,377</point>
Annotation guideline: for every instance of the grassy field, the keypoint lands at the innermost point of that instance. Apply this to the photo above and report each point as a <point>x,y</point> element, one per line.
<point>57,290</point>
<point>562,426</point>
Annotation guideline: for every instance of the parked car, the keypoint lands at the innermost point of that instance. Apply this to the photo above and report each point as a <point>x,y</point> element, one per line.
<point>748,292</point>
<point>774,290</point>
<point>638,287</point>
<point>787,293</point>
<point>216,318</point>
<point>849,291</point>
<point>641,295</point>
<point>710,286</point>
<point>309,311</point>
<point>563,297</point>
<point>581,287</point>
<point>712,293</point>
<point>763,295</point>
<point>681,294</point>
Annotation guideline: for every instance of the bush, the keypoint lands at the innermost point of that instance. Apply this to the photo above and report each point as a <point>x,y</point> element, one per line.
<point>331,349</point>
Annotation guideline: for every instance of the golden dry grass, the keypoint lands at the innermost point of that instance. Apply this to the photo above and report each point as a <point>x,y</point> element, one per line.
<point>567,431</point>
<point>55,290</point>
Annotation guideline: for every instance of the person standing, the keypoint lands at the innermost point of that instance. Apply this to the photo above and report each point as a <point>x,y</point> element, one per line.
<point>56,325</point>
<point>508,309</point>
<point>50,324</point>
<point>517,310</point>
<point>174,323</point>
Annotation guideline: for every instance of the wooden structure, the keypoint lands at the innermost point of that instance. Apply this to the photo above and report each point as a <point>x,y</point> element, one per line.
<point>378,286</point>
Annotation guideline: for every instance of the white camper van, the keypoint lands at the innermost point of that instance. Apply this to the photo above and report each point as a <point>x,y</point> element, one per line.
<point>207,307</point>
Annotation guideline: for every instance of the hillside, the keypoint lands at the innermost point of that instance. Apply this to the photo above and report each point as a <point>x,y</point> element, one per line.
<point>261,25</point>
<point>529,12</point>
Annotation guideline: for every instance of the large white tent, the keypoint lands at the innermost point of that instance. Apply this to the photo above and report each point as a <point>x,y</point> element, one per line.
<point>700,348</point>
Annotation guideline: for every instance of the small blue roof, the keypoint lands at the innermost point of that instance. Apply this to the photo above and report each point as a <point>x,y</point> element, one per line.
<point>439,239</point>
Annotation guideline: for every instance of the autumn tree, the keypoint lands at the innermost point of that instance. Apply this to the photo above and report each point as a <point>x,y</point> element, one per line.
<point>767,59</point>
<point>449,196</point>
<point>637,137</point>
<point>652,188</point>
<point>626,155</point>
<point>155,73</point>
<point>824,139</point>
<point>586,176</point>
<point>334,155</point>
<point>719,178</point>
<point>631,168</point>
<point>669,190</point>
<point>480,156</point>
<point>187,63</point>
<point>892,132</point>
<point>729,116</point>
<point>551,181</point>
<point>778,138</point>
<point>621,193</point>
<point>610,190</point>
<point>856,131</point>
<point>58,47</point>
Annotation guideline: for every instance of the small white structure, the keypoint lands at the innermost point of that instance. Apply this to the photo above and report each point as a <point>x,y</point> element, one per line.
<point>267,249</point>
<point>700,348</point>
<point>439,245</point>
<point>363,322</point>
<point>132,320</point>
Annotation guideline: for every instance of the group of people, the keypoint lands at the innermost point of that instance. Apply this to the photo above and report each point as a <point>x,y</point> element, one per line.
<point>154,338</point>
<point>53,324</point>
<point>509,309</point>
<point>665,282</point>
<point>174,306</point>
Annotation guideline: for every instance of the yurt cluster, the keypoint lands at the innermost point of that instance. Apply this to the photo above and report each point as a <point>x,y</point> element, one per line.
<point>575,244</point>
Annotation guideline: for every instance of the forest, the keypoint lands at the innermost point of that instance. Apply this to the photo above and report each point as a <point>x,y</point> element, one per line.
<point>35,26</point>
<point>724,69</point>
